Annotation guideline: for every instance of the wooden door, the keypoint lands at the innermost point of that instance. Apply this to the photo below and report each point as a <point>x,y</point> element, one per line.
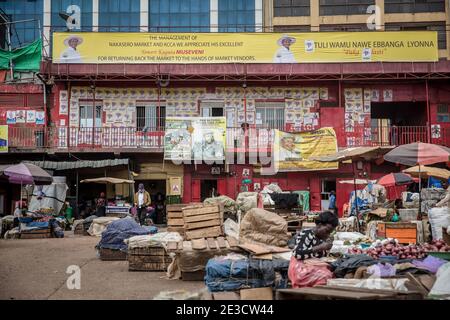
<point>196,190</point>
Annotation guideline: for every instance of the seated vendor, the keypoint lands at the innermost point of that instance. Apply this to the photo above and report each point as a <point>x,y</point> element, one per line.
<point>314,242</point>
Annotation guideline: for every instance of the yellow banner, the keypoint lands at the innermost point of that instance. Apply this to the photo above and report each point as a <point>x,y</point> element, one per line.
<point>292,150</point>
<point>3,139</point>
<point>129,48</point>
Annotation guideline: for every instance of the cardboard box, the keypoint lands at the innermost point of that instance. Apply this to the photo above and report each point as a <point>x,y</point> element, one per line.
<point>229,295</point>
<point>257,294</point>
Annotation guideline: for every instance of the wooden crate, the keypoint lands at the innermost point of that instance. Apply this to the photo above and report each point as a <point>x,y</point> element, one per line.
<point>404,232</point>
<point>148,259</point>
<point>112,255</point>
<point>36,234</point>
<point>203,221</point>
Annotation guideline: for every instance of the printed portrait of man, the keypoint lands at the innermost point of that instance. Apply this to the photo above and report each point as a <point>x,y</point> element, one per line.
<point>70,54</point>
<point>288,150</point>
<point>284,54</point>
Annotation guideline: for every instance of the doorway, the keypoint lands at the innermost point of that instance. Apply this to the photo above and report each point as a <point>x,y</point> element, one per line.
<point>157,191</point>
<point>207,189</point>
<point>328,185</point>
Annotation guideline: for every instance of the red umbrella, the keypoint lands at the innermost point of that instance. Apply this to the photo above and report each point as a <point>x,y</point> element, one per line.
<point>396,179</point>
<point>418,153</point>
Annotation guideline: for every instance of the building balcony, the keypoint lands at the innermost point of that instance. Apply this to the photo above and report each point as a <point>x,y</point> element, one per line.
<point>130,139</point>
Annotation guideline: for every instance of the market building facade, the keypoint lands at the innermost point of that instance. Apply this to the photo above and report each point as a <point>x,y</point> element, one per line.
<point>107,111</point>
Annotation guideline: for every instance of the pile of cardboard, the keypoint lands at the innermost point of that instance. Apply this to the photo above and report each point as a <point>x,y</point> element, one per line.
<point>192,256</point>
<point>175,221</point>
<point>203,221</point>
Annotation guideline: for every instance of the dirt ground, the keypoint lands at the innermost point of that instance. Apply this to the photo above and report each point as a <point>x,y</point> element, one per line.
<point>36,269</point>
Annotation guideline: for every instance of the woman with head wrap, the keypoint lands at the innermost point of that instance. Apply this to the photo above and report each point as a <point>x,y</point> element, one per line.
<point>141,201</point>
<point>305,270</point>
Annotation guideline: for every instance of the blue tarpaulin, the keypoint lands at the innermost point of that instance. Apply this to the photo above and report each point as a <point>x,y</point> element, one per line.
<point>116,232</point>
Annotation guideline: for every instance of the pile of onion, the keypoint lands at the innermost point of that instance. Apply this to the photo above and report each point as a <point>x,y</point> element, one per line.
<point>411,251</point>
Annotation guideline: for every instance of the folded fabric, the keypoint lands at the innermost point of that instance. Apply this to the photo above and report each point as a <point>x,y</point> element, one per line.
<point>382,270</point>
<point>38,225</point>
<point>430,263</point>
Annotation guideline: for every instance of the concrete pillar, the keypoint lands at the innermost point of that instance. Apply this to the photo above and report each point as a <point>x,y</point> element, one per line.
<point>46,28</point>
<point>95,15</point>
<point>144,16</point>
<point>214,15</point>
<point>315,23</point>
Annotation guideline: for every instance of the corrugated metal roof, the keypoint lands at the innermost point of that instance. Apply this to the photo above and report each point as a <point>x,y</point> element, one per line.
<point>68,165</point>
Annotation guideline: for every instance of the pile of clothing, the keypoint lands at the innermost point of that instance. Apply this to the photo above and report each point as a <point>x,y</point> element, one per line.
<point>235,272</point>
<point>118,231</point>
<point>361,266</point>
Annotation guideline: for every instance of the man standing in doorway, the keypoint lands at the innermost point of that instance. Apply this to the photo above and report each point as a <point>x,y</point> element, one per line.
<point>332,206</point>
<point>142,201</point>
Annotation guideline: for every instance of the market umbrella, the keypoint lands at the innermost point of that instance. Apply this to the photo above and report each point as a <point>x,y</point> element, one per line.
<point>395,179</point>
<point>418,153</point>
<point>427,172</point>
<point>27,173</point>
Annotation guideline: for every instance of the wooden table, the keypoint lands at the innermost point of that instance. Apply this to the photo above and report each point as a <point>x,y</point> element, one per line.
<point>342,293</point>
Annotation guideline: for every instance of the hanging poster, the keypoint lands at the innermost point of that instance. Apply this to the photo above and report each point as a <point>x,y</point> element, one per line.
<point>21,116</point>
<point>40,117</point>
<point>10,117</point>
<point>63,102</point>
<point>31,116</point>
<point>175,186</point>
<point>292,151</point>
<point>195,138</point>
<point>388,95</point>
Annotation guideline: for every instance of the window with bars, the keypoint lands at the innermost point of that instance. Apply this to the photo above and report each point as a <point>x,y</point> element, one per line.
<point>342,27</point>
<point>211,108</point>
<point>236,15</point>
<point>119,15</point>
<point>291,8</point>
<point>344,7</point>
<point>443,114</point>
<point>413,6</point>
<point>179,15</point>
<point>87,115</point>
<point>270,115</point>
<point>150,118</point>
<point>430,26</point>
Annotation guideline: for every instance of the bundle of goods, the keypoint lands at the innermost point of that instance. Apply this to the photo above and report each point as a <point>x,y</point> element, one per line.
<point>87,222</point>
<point>347,224</point>
<point>410,199</point>
<point>7,223</point>
<point>112,245</point>
<point>148,252</point>
<point>439,218</point>
<point>285,200</point>
<point>191,256</point>
<point>430,197</point>
<point>99,225</point>
<point>266,227</point>
<point>235,272</point>
<point>203,221</point>
<point>30,229</point>
<point>228,204</point>
<point>175,221</point>
<point>246,201</point>
<point>78,227</point>
<point>267,191</point>
<point>394,249</point>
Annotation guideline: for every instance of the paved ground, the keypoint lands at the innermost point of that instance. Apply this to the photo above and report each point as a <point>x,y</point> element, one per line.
<point>36,269</point>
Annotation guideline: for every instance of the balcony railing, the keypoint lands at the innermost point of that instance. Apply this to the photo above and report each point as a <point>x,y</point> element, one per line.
<point>237,140</point>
